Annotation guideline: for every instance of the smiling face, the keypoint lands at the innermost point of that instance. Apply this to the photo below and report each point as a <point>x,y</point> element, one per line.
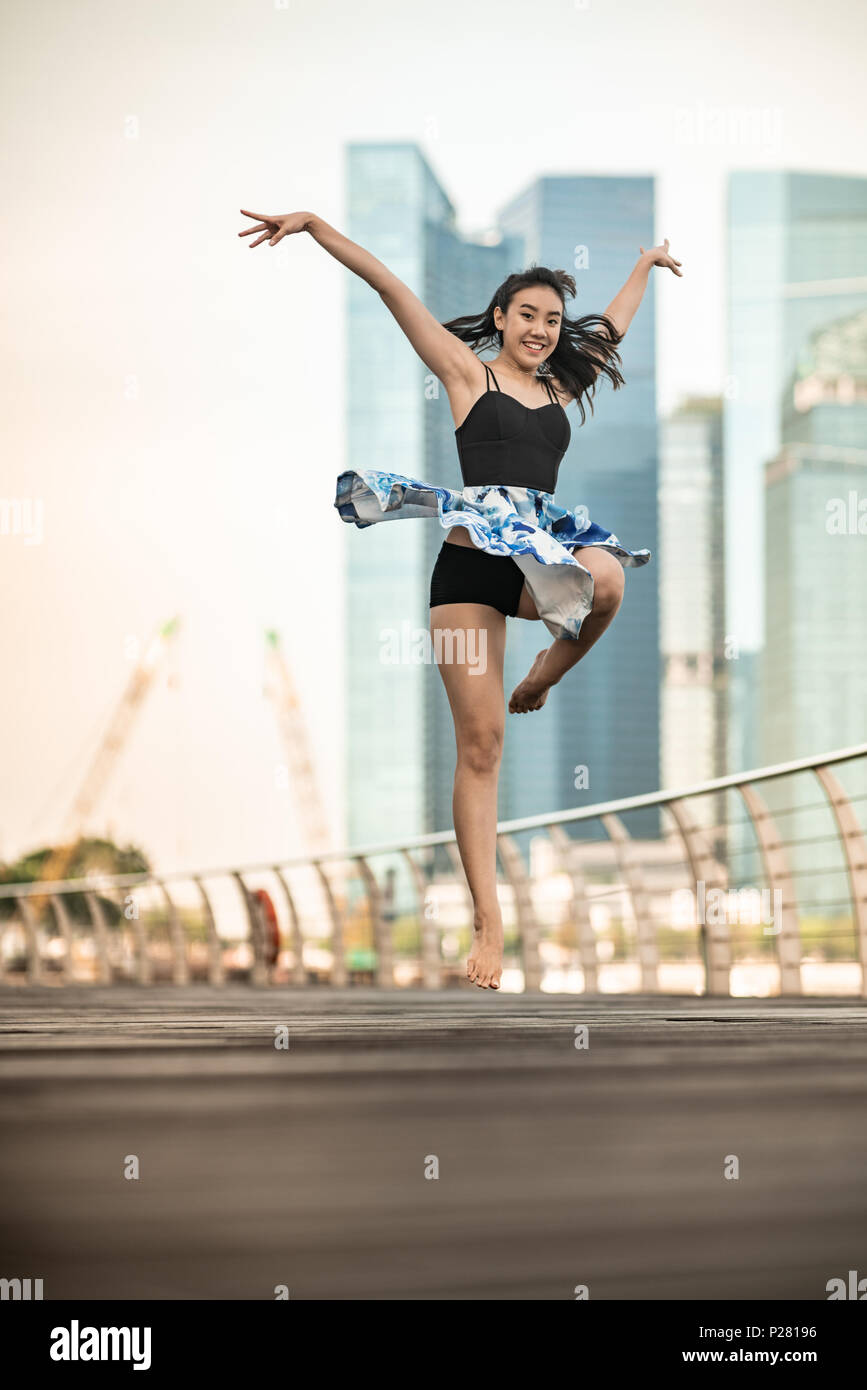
<point>531,327</point>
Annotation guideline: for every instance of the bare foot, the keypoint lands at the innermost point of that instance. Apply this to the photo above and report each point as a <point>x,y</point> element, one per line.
<point>485,961</point>
<point>532,692</point>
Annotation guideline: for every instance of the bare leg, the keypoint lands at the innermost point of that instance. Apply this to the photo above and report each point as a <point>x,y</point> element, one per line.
<point>477,704</point>
<point>553,662</point>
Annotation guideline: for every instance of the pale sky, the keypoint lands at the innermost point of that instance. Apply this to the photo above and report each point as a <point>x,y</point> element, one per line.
<point>174,401</point>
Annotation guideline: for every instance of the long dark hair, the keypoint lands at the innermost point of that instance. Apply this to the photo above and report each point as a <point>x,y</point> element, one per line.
<point>586,348</point>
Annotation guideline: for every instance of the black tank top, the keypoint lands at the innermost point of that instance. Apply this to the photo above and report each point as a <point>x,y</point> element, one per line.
<point>504,442</point>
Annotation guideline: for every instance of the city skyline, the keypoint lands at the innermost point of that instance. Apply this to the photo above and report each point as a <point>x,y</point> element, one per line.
<point>179,429</point>
<point>399,420</point>
<point>796,262</point>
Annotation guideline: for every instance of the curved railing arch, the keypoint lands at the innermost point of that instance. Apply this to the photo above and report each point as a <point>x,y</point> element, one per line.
<point>356,894</point>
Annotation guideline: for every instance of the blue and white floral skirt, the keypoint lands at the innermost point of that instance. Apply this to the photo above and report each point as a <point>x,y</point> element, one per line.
<point>520,522</point>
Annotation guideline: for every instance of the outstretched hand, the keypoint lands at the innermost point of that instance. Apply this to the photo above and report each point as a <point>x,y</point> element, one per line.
<point>658,255</point>
<point>274,226</point>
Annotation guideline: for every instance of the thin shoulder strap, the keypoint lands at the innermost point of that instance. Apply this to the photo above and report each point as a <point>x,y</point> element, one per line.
<point>491,374</point>
<point>549,389</point>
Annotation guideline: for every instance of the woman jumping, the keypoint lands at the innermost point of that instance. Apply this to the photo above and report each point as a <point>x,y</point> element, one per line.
<point>509,550</point>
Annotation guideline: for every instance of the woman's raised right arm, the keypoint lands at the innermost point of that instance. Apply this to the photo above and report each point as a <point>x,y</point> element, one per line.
<point>445,355</point>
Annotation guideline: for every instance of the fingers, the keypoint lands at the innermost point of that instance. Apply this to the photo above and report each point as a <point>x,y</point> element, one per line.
<point>264,224</point>
<point>670,259</point>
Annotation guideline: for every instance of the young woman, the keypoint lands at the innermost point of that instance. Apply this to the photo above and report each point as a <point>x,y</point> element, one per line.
<point>509,549</point>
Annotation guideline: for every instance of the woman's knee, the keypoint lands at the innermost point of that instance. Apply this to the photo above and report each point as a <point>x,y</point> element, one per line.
<point>609,582</point>
<point>611,596</point>
<point>480,749</point>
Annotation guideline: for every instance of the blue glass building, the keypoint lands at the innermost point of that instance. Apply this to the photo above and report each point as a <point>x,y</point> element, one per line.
<point>797,261</point>
<point>400,738</point>
<point>606,711</point>
<point>692,595</point>
<point>605,714</point>
<point>814,665</point>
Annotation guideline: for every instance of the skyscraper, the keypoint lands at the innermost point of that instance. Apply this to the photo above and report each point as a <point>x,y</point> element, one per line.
<point>400,742</point>
<point>460,278</point>
<point>814,666</point>
<point>604,715</point>
<point>692,594</point>
<point>797,261</point>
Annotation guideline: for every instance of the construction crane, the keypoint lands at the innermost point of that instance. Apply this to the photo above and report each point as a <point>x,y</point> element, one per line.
<point>293,728</point>
<point>111,743</point>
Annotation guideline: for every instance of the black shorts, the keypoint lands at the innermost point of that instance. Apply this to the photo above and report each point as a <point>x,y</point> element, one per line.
<point>465,574</point>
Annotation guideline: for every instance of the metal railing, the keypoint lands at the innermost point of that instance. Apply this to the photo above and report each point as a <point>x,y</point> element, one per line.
<point>591,907</point>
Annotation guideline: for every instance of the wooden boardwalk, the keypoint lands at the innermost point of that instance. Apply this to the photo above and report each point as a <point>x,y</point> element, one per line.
<point>305,1165</point>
